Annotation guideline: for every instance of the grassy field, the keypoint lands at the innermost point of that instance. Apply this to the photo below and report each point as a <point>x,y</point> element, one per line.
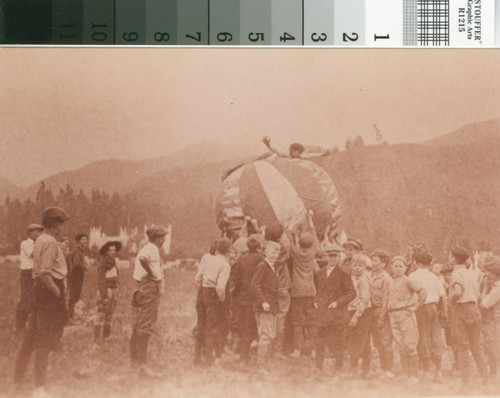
<point>81,369</point>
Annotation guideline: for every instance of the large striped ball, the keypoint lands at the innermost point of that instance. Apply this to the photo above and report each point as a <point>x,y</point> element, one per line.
<point>278,190</point>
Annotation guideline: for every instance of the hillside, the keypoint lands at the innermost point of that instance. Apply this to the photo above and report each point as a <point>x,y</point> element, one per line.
<point>481,133</point>
<point>8,188</point>
<point>442,191</point>
<point>391,196</point>
<point>118,175</point>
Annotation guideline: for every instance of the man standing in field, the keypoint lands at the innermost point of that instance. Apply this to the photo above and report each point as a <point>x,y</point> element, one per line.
<point>49,305</point>
<point>79,264</point>
<point>24,305</point>
<point>149,276</point>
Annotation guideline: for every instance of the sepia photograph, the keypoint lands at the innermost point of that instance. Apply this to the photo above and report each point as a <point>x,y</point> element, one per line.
<point>270,222</point>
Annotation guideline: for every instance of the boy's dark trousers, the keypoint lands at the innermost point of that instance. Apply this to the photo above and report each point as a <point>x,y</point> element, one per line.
<point>334,336</point>
<point>146,300</point>
<point>200,329</point>
<point>466,332</point>
<point>430,341</point>
<point>247,330</point>
<point>44,332</point>
<point>24,306</point>
<point>75,284</point>
<point>214,314</point>
<point>359,341</point>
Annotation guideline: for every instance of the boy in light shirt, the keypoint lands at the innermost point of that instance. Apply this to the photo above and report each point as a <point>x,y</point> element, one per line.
<point>146,299</point>
<point>360,313</point>
<point>212,279</point>
<point>402,298</point>
<point>430,344</point>
<point>465,318</point>
<point>490,301</point>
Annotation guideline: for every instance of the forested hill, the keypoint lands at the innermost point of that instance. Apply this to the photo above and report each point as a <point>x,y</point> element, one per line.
<point>440,192</point>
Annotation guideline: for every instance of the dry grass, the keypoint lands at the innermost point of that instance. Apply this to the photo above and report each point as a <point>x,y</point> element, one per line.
<point>84,370</point>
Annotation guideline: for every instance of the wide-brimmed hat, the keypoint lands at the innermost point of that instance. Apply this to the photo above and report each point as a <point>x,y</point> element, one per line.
<point>103,250</point>
<point>34,227</point>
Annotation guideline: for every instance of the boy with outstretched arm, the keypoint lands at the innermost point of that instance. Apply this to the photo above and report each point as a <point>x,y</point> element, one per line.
<point>303,253</point>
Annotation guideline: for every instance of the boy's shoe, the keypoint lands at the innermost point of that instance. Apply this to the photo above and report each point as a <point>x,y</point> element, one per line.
<point>387,375</point>
<point>438,377</point>
<point>40,392</point>
<point>146,371</point>
<point>295,354</point>
<point>412,380</point>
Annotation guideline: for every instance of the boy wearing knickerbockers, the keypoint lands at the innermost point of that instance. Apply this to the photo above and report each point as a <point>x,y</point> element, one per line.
<point>402,298</point>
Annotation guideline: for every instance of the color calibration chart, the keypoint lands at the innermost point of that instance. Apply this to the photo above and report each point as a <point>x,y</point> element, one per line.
<point>309,23</point>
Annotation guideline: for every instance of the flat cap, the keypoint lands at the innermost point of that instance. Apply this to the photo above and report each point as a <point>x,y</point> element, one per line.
<point>34,227</point>
<point>156,231</point>
<point>419,247</point>
<point>399,259</point>
<point>460,252</point>
<point>55,212</point>
<point>354,243</point>
<point>330,247</point>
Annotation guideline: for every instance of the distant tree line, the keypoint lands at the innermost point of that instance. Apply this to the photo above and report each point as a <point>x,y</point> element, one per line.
<point>110,211</point>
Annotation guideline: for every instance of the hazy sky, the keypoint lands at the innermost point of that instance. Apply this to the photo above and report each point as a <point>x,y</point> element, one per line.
<point>63,108</point>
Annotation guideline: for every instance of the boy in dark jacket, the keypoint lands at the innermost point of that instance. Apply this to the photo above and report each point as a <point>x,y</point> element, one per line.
<point>265,289</point>
<point>334,290</point>
<point>241,278</point>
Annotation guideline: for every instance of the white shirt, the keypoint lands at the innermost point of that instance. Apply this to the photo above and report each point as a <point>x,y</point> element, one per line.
<point>27,254</point>
<point>152,253</point>
<point>430,282</point>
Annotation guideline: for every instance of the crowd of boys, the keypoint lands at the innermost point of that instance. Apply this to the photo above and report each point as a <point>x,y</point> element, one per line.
<point>294,297</point>
<point>287,293</point>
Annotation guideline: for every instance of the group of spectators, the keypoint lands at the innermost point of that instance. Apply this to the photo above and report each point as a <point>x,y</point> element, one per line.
<point>51,285</point>
<point>293,297</point>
